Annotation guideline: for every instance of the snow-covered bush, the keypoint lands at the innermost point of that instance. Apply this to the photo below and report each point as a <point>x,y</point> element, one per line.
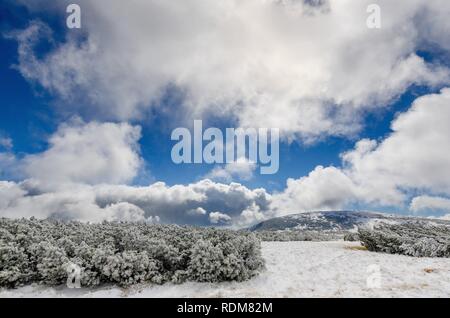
<point>225,256</point>
<point>419,239</point>
<point>123,253</point>
<point>351,237</point>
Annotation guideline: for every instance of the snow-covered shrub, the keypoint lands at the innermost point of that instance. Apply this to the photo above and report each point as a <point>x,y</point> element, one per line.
<point>419,239</point>
<point>48,261</point>
<point>351,237</point>
<point>225,257</point>
<point>14,265</point>
<point>123,253</point>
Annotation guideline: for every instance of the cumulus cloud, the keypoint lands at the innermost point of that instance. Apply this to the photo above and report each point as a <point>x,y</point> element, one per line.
<point>191,204</point>
<point>217,217</point>
<point>414,157</point>
<point>87,153</point>
<point>260,63</point>
<point>323,189</point>
<point>77,203</point>
<point>241,169</point>
<point>430,204</point>
<point>197,211</point>
<point>8,161</point>
<point>6,143</point>
<point>8,165</point>
<point>253,215</point>
<point>187,204</point>
<point>263,63</point>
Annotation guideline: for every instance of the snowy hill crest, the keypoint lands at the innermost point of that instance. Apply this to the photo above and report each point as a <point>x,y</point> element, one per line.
<point>334,221</point>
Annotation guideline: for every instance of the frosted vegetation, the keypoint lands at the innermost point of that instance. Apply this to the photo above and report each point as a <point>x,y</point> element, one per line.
<point>419,239</point>
<point>33,251</point>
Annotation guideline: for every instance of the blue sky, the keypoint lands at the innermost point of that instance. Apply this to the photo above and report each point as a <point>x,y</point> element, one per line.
<point>34,105</point>
<point>28,118</point>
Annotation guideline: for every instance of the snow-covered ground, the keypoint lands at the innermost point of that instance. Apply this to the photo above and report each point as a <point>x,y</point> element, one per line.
<point>300,269</point>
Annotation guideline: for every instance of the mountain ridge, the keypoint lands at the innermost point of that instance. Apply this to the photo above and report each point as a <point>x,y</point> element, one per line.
<point>333,221</point>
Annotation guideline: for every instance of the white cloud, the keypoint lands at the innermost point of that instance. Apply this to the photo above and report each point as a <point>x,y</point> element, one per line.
<point>241,169</point>
<point>323,189</point>
<point>8,166</point>
<point>180,204</point>
<point>263,63</point>
<point>217,217</point>
<point>125,211</point>
<point>9,192</point>
<point>430,204</point>
<point>252,215</point>
<point>197,211</point>
<point>87,153</point>
<point>77,203</point>
<point>308,69</point>
<point>8,161</point>
<point>187,204</point>
<point>414,157</point>
<point>6,143</point>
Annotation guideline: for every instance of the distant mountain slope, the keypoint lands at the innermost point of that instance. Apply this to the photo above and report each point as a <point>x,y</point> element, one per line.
<point>332,221</point>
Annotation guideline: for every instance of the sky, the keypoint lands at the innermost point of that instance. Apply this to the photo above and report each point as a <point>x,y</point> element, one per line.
<point>86,114</point>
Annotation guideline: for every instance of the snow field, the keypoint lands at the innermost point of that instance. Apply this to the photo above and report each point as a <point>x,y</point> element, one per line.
<point>298,269</point>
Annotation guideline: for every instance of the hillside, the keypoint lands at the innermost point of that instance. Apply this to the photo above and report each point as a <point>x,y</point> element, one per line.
<point>332,221</point>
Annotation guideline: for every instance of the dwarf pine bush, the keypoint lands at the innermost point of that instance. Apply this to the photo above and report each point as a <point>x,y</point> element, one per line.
<point>351,237</point>
<point>33,251</point>
<point>419,239</point>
